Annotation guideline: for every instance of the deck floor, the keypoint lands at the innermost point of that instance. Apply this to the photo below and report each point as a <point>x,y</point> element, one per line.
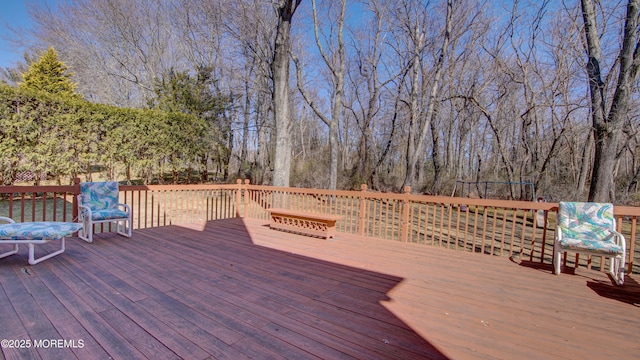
<point>233,289</point>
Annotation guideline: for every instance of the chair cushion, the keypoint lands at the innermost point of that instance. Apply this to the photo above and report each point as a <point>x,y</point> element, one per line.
<point>109,214</point>
<point>586,218</point>
<point>594,233</point>
<point>606,247</point>
<point>99,195</point>
<point>53,230</point>
<point>588,227</point>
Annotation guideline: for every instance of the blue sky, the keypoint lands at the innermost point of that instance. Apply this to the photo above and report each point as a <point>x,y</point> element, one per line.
<point>13,13</point>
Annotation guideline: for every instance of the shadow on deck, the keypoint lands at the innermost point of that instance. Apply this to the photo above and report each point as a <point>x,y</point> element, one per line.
<point>198,292</point>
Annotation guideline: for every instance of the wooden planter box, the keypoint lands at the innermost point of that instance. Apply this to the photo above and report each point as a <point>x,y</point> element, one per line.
<point>312,224</point>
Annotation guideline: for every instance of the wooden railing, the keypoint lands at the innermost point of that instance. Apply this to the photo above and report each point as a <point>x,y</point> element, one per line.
<point>523,230</point>
<point>39,203</point>
<point>519,229</point>
<point>151,206</point>
<point>162,205</point>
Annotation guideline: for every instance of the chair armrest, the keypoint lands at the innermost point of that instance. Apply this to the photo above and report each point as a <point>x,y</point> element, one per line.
<point>126,207</point>
<point>621,240</point>
<point>7,220</point>
<point>84,210</point>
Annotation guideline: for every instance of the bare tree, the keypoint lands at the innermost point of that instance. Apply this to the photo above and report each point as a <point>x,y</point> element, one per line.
<point>608,119</point>
<point>116,48</point>
<point>249,51</point>
<point>419,125</point>
<point>367,84</point>
<point>335,62</point>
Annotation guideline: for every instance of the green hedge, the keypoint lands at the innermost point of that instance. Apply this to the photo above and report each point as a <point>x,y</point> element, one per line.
<point>65,138</point>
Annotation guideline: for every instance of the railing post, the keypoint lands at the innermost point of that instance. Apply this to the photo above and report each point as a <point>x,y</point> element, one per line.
<point>76,192</point>
<point>238,197</point>
<point>363,209</point>
<point>246,197</point>
<point>404,235</point>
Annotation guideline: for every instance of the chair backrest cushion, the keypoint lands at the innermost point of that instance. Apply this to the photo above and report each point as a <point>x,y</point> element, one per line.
<point>99,195</point>
<point>586,219</point>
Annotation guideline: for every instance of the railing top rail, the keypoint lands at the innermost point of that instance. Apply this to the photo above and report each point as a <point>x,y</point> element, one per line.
<point>71,188</point>
<point>527,205</point>
<point>303,190</point>
<point>36,189</point>
<point>179,187</point>
<point>509,204</point>
<point>626,210</point>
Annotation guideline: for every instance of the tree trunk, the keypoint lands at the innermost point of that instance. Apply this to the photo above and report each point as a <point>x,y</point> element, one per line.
<point>242,168</point>
<point>333,154</point>
<point>437,161</point>
<point>414,121</point>
<point>280,69</point>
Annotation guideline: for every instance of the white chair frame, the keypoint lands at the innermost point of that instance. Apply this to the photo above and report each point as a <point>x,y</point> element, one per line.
<point>617,261</point>
<point>123,225</point>
<point>30,244</point>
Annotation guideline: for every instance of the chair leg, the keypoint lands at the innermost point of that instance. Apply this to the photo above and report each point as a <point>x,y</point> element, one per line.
<point>86,233</point>
<point>617,270</point>
<point>33,260</point>
<point>621,269</point>
<point>9,253</point>
<point>557,258</point>
<point>126,227</point>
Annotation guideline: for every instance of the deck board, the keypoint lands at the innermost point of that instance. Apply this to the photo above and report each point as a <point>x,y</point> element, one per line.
<point>233,289</point>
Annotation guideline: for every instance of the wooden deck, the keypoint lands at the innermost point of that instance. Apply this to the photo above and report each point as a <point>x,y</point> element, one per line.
<point>234,289</point>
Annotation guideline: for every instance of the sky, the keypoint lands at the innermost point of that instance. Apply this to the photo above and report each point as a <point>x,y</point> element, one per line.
<point>12,13</point>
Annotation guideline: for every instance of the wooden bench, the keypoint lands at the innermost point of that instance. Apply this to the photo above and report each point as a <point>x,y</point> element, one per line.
<point>312,224</point>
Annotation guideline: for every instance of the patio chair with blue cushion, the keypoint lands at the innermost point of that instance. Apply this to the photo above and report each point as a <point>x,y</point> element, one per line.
<point>590,228</point>
<point>34,233</point>
<point>98,203</point>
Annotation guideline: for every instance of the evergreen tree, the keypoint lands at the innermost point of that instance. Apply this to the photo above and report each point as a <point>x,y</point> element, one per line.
<point>50,75</point>
<point>197,95</point>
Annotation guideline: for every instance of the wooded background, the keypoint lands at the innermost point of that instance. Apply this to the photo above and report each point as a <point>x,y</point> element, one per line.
<point>387,93</point>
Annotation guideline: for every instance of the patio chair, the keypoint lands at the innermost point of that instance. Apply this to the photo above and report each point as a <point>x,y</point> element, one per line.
<point>589,228</point>
<point>98,203</point>
<point>34,233</point>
